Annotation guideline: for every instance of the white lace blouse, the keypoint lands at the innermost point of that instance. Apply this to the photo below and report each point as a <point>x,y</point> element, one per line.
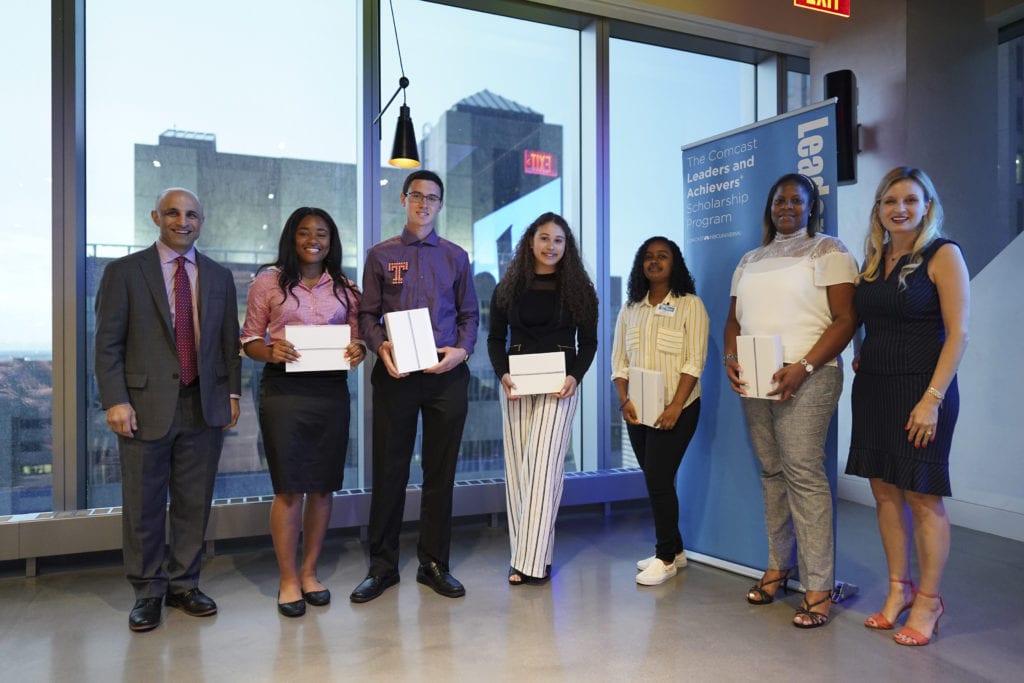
<point>780,288</point>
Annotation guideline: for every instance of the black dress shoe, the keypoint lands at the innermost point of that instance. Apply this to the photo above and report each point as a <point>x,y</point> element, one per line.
<point>291,609</point>
<point>372,587</point>
<point>145,615</point>
<point>193,602</point>
<point>440,579</point>
<point>317,598</point>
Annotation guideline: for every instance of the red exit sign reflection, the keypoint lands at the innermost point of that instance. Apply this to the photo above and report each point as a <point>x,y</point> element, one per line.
<point>540,163</point>
<point>840,8</point>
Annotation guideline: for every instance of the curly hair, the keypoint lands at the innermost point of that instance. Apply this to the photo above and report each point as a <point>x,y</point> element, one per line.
<point>680,280</point>
<point>576,291</point>
<point>288,256</point>
<point>929,228</point>
<point>816,206</point>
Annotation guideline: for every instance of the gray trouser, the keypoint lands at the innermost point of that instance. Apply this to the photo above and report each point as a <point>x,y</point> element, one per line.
<point>789,439</point>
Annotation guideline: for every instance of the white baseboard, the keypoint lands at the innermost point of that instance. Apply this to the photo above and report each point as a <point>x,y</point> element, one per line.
<point>990,520</point>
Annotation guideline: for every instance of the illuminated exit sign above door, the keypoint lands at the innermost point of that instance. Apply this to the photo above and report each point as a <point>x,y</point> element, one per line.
<point>840,8</point>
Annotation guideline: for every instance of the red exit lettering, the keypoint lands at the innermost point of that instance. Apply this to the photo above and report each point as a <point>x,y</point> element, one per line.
<point>540,163</point>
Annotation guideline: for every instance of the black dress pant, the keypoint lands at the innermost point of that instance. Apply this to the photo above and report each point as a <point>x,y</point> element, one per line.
<point>397,403</point>
<point>659,452</point>
<point>183,464</point>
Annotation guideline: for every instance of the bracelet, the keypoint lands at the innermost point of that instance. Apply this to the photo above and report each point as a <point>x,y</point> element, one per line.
<point>623,404</point>
<point>728,357</point>
<point>936,393</point>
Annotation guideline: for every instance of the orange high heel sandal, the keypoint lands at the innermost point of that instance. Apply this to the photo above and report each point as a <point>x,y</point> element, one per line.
<point>879,621</point>
<point>908,636</point>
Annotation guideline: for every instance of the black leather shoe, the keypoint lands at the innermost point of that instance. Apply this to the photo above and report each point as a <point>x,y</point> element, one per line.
<point>145,615</point>
<point>193,602</point>
<point>317,598</point>
<point>372,587</point>
<point>440,579</point>
<point>291,609</point>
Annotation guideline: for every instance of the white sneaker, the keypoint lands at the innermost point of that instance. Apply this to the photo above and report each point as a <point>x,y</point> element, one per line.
<point>656,572</point>
<point>645,563</point>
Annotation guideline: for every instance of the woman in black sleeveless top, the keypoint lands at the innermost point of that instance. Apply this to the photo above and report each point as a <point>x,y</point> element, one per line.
<point>913,297</point>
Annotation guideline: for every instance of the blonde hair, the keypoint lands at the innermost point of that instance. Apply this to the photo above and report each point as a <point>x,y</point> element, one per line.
<point>929,228</point>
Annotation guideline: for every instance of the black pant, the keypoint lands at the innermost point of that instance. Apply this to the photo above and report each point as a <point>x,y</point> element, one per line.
<point>397,403</point>
<point>659,452</point>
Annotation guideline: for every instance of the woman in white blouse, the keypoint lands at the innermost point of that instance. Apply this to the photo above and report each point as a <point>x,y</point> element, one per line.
<point>663,327</point>
<point>797,285</point>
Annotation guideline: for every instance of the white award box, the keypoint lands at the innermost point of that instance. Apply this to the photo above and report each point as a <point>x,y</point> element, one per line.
<point>647,394</point>
<point>412,339</point>
<point>320,347</point>
<point>759,356</point>
<point>537,373</point>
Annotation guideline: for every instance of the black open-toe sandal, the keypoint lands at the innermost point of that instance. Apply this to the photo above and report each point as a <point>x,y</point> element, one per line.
<point>513,572</point>
<point>817,619</point>
<point>527,579</point>
<point>763,597</point>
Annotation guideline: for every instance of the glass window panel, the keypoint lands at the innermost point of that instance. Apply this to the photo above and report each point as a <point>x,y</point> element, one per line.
<point>661,99</point>
<point>506,143</point>
<point>798,90</point>
<point>26,342</point>
<point>1010,140</point>
<point>254,106</point>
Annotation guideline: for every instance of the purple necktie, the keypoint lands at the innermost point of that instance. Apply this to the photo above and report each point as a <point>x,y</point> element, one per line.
<point>184,326</point>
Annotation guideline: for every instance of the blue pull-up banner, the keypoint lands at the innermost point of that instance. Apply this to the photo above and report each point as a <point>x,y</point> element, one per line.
<point>726,181</point>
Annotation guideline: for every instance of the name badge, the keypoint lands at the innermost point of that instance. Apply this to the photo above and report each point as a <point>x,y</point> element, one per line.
<point>665,309</point>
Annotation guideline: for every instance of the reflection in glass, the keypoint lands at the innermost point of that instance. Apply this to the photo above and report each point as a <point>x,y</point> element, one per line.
<point>686,97</point>
<point>256,132</point>
<point>506,145</point>
<point>26,346</point>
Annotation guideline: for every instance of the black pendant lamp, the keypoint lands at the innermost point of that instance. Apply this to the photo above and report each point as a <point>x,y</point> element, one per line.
<point>403,152</point>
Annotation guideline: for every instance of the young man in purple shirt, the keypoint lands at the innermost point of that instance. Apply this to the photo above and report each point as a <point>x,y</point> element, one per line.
<point>417,269</point>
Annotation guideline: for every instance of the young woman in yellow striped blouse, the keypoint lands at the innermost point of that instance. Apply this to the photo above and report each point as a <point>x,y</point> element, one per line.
<point>663,327</point>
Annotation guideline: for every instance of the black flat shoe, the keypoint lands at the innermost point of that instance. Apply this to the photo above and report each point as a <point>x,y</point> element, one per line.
<point>440,580</point>
<point>193,602</point>
<point>372,587</point>
<point>292,609</point>
<point>317,598</point>
<point>145,615</point>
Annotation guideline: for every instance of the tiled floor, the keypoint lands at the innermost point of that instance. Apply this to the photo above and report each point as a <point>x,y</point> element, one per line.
<point>592,622</point>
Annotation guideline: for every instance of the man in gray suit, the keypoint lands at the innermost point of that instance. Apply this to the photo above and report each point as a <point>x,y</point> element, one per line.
<point>169,377</point>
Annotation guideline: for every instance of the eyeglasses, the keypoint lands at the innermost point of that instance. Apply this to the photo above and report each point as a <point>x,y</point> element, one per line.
<point>420,198</point>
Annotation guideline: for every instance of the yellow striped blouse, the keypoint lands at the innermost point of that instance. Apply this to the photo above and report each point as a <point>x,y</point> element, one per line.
<point>671,337</point>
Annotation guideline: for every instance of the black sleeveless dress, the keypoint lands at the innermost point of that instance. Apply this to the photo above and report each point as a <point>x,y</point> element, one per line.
<point>904,334</point>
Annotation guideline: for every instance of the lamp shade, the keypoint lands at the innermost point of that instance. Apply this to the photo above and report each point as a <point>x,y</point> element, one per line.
<point>404,153</point>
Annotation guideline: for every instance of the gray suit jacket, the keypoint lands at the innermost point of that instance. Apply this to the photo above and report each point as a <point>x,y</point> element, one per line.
<point>136,358</point>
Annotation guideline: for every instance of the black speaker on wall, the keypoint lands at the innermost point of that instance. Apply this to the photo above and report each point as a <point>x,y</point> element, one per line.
<point>843,86</point>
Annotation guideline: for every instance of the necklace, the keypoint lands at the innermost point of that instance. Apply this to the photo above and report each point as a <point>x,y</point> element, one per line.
<point>897,256</point>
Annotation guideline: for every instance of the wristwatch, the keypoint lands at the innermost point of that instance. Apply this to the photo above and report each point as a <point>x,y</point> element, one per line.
<point>807,366</point>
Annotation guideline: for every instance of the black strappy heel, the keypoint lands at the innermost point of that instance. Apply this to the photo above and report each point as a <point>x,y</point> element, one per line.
<point>763,597</point>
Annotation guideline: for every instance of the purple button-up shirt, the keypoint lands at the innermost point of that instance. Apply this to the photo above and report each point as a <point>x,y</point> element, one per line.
<point>403,273</point>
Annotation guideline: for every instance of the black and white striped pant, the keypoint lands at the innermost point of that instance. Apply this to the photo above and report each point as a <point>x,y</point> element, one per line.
<point>537,431</point>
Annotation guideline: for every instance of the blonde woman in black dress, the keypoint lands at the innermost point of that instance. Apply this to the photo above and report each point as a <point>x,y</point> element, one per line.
<point>914,298</point>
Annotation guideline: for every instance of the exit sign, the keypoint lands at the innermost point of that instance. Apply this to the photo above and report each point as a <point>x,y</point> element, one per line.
<point>840,8</point>
<point>540,163</point>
